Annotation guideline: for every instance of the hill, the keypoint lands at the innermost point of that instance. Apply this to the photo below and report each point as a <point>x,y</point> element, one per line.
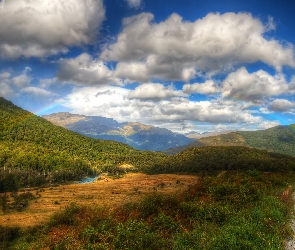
<point>280,139</point>
<point>219,158</point>
<point>135,134</point>
<point>34,151</point>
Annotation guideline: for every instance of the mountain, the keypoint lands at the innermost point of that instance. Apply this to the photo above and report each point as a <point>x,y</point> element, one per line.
<point>220,158</point>
<point>280,139</point>
<point>34,151</point>
<point>137,135</point>
<point>197,136</point>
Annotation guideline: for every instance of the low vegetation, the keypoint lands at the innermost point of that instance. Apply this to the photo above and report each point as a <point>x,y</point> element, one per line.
<point>233,210</point>
<point>17,202</point>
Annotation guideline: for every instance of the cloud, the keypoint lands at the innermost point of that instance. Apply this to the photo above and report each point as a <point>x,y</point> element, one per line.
<point>134,3</point>
<point>254,87</point>
<point>45,27</point>
<point>4,75</point>
<point>177,49</point>
<point>83,70</point>
<point>22,80</point>
<point>36,91</point>
<point>281,105</point>
<point>5,90</point>
<point>292,85</point>
<point>268,124</point>
<point>154,91</point>
<point>45,83</point>
<point>207,88</point>
<point>114,102</point>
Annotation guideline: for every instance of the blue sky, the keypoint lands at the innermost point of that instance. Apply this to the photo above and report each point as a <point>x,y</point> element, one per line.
<point>186,65</point>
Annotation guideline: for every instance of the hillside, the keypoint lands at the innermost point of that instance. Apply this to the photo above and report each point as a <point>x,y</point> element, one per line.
<point>280,139</point>
<point>135,134</point>
<point>34,151</point>
<point>220,158</point>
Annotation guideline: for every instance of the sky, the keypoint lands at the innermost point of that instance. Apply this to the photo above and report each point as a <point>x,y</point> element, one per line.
<point>185,65</point>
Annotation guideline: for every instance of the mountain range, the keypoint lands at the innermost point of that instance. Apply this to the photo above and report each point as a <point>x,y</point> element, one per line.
<point>135,134</point>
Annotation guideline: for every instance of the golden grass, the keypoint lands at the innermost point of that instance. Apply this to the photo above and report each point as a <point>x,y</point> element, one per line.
<point>104,192</point>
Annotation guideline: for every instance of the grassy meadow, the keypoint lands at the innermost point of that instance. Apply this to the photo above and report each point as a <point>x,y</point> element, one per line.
<point>231,210</point>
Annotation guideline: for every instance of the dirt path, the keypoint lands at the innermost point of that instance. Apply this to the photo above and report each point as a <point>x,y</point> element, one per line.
<point>103,192</point>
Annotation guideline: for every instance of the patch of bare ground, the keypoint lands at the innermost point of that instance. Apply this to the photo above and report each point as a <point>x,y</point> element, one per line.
<point>104,192</point>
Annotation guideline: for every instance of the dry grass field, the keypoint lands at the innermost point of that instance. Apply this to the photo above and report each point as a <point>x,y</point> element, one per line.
<point>104,192</point>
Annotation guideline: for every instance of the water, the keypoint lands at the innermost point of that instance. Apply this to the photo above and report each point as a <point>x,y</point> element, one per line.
<point>88,179</point>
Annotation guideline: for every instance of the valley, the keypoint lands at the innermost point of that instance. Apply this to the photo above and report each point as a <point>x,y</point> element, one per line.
<point>220,189</point>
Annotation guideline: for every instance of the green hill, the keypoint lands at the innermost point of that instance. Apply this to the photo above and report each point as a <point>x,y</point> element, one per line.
<point>218,158</point>
<point>280,139</point>
<point>34,151</point>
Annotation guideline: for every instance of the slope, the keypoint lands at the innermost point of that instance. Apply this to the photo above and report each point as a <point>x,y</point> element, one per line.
<point>280,139</point>
<point>34,151</point>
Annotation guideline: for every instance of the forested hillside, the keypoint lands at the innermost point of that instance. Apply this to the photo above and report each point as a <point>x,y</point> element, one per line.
<point>219,158</point>
<point>34,151</point>
<point>280,139</point>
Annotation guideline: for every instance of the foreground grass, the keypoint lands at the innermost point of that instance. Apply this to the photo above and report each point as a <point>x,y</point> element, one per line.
<point>248,210</point>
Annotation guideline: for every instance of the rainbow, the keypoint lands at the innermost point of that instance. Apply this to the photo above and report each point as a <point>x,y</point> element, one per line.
<point>47,109</point>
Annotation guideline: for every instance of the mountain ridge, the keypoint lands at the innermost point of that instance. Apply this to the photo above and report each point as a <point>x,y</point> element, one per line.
<point>135,134</point>
<point>279,139</point>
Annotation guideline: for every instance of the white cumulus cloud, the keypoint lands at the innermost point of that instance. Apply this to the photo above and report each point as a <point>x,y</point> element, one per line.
<point>44,27</point>
<point>281,105</point>
<point>254,87</point>
<point>84,70</point>
<point>209,87</point>
<point>5,90</point>
<point>154,91</point>
<point>177,49</point>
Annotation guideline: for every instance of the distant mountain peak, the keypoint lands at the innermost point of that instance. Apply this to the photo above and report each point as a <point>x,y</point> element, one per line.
<point>135,134</point>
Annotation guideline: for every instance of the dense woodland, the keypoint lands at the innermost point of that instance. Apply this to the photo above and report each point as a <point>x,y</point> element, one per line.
<point>279,139</point>
<point>33,151</point>
<point>211,159</point>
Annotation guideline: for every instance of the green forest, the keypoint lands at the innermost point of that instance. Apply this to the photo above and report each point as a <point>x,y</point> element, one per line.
<point>33,151</point>
<point>211,159</point>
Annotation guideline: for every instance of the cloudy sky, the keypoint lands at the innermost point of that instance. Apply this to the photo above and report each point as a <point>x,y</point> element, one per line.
<point>186,65</point>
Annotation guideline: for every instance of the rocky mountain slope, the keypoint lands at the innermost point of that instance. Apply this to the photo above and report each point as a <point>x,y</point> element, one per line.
<point>137,135</point>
